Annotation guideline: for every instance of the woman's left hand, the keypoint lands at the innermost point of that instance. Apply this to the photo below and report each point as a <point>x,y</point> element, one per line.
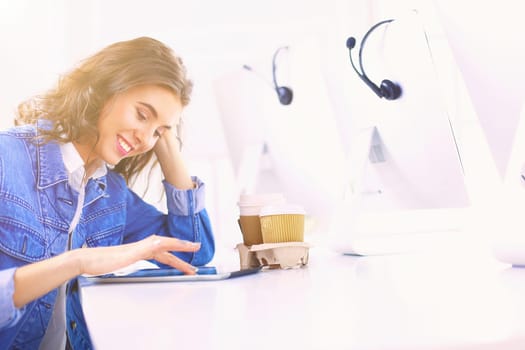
<point>167,150</point>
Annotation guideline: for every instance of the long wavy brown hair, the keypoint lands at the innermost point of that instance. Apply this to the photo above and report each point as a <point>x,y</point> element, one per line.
<point>74,106</point>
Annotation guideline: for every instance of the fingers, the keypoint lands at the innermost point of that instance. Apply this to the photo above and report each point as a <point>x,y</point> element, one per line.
<point>171,260</point>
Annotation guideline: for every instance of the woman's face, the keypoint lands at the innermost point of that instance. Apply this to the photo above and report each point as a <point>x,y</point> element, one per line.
<point>132,122</point>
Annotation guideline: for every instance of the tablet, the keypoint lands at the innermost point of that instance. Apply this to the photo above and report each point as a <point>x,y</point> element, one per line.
<point>205,273</point>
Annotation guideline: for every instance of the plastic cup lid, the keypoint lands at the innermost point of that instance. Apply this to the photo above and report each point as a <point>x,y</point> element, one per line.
<point>281,209</point>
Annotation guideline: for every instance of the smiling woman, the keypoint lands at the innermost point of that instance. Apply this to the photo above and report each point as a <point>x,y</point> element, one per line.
<point>63,178</point>
<point>77,102</point>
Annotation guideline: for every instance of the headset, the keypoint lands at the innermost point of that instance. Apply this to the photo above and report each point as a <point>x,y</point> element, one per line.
<point>388,89</point>
<point>284,93</point>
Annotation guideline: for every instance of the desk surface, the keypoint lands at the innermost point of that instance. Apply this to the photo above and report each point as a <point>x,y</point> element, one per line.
<point>408,301</point>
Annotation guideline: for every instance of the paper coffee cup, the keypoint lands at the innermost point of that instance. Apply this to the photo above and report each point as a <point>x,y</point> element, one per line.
<point>249,209</point>
<point>282,223</point>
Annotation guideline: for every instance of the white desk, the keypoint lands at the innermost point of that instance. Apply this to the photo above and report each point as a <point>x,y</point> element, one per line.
<point>412,301</point>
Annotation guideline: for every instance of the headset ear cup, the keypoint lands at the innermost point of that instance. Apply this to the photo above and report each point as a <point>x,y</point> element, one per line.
<point>390,90</point>
<point>285,95</point>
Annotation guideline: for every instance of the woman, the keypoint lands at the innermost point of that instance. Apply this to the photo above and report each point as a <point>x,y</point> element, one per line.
<point>66,207</point>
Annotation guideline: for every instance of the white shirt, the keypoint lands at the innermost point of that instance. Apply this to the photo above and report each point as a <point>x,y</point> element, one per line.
<point>55,337</point>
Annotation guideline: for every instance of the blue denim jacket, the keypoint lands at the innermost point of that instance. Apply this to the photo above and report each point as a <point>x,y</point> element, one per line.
<point>37,207</point>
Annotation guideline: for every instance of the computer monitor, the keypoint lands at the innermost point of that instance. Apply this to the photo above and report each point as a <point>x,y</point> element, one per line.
<point>406,181</point>
<point>490,52</point>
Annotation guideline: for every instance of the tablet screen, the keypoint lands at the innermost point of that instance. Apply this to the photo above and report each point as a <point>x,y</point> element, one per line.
<point>202,270</point>
<point>205,273</point>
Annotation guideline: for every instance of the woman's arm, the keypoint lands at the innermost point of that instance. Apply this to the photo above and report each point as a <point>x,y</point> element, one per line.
<point>37,279</point>
<point>168,153</point>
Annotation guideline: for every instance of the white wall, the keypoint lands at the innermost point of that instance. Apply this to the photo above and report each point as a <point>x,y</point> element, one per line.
<point>33,43</point>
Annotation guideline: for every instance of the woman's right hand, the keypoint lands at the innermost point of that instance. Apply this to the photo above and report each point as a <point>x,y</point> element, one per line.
<point>102,260</point>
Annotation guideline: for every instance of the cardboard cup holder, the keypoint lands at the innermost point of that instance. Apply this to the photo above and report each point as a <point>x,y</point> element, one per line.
<point>285,255</point>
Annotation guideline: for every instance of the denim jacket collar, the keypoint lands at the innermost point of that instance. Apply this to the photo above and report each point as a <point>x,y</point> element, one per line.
<point>50,168</point>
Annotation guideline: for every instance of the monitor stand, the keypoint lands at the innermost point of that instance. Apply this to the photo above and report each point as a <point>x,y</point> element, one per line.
<point>506,219</point>
<point>356,231</point>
